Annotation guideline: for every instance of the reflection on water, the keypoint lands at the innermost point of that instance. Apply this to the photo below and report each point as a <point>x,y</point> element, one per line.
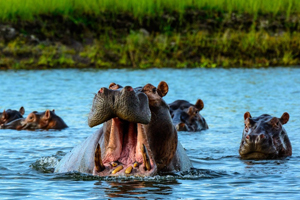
<point>28,157</point>
<point>135,189</point>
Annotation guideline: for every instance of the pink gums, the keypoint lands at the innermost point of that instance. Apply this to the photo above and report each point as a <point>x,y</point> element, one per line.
<point>127,156</point>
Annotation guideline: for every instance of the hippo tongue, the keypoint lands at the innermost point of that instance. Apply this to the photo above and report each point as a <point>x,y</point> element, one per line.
<point>125,104</point>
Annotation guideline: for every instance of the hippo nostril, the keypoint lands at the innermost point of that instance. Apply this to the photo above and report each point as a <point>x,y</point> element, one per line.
<point>129,88</point>
<point>101,90</point>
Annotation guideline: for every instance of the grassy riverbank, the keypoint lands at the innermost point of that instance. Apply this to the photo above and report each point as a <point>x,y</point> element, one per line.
<point>29,9</point>
<point>137,50</point>
<point>143,34</point>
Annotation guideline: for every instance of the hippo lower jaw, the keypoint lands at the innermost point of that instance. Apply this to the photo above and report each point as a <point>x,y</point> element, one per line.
<point>127,152</point>
<point>258,155</point>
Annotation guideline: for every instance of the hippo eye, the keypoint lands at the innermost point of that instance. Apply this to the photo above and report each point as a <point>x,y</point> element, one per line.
<point>154,90</point>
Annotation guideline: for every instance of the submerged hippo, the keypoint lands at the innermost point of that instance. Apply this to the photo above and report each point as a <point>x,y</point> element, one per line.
<point>37,120</point>
<point>264,137</point>
<point>137,137</point>
<point>9,115</point>
<point>186,116</point>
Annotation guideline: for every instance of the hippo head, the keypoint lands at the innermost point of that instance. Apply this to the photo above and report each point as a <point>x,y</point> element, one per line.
<point>264,137</point>
<point>125,112</point>
<point>9,115</point>
<point>187,117</point>
<point>41,120</point>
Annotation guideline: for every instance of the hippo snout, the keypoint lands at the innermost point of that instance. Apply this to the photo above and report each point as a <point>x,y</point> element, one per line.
<point>126,103</point>
<point>256,139</point>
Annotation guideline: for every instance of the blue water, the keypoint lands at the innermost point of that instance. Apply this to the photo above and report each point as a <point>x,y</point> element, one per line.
<point>27,158</point>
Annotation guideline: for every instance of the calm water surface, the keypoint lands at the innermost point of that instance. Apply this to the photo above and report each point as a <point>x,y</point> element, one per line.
<point>28,157</point>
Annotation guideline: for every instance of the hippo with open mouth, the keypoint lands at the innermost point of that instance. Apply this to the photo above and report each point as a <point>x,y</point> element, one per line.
<point>137,137</point>
<point>265,138</point>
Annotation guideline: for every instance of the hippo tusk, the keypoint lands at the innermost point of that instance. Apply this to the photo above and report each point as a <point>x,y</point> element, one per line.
<point>135,164</point>
<point>119,168</point>
<point>98,161</point>
<point>128,170</point>
<point>114,164</point>
<point>146,158</point>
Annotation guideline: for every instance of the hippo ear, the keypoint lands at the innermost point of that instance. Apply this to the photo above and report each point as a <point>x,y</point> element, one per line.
<point>247,115</point>
<point>53,110</point>
<point>199,104</point>
<point>4,115</point>
<point>114,86</point>
<point>284,118</point>
<point>22,110</point>
<point>162,88</point>
<point>47,114</point>
<point>111,85</point>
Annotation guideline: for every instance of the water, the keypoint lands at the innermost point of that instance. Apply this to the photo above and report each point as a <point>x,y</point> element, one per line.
<point>27,158</point>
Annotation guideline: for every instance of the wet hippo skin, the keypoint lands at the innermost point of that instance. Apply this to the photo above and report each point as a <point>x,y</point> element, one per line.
<point>264,137</point>
<point>186,116</point>
<point>10,115</point>
<point>37,120</point>
<point>137,137</point>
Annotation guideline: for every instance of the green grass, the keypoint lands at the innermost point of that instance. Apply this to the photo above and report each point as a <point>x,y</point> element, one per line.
<point>28,9</point>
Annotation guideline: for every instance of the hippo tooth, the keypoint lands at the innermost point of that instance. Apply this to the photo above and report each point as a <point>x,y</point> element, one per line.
<point>114,164</point>
<point>98,161</point>
<point>135,164</point>
<point>146,158</point>
<point>119,168</point>
<point>128,170</point>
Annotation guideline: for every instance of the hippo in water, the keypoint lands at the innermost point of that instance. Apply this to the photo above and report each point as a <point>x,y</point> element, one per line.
<point>9,115</point>
<point>186,116</point>
<point>264,137</point>
<point>137,137</point>
<point>37,120</point>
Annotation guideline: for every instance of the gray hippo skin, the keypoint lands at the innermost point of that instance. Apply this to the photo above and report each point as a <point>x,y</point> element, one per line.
<point>137,137</point>
<point>10,115</point>
<point>187,117</point>
<point>265,138</point>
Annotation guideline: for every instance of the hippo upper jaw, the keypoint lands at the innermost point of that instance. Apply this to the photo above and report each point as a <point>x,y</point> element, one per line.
<point>126,151</point>
<point>126,103</point>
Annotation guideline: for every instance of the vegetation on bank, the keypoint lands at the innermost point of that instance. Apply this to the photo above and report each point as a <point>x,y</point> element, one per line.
<point>139,50</point>
<point>29,9</point>
<point>38,34</point>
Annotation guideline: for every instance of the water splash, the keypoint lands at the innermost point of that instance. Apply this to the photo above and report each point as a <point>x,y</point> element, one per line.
<point>47,164</point>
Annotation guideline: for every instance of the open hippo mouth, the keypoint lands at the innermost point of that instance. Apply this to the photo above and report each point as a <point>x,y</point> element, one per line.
<point>125,149</point>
